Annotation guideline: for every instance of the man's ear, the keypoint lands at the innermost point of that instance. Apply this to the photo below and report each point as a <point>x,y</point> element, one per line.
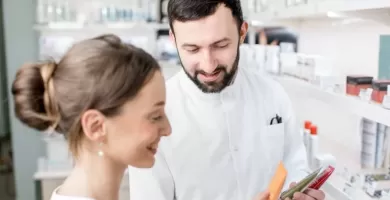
<point>243,31</point>
<point>172,37</point>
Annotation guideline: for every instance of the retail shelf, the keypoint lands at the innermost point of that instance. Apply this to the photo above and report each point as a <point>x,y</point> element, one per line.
<point>100,27</point>
<point>347,5</point>
<point>369,110</point>
<point>334,188</point>
<point>297,11</point>
<point>40,175</point>
<point>373,10</point>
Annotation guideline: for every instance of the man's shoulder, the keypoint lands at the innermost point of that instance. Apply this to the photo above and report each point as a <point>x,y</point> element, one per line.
<point>263,81</point>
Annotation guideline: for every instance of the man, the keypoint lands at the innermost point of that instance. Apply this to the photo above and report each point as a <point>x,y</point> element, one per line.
<point>230,126</point>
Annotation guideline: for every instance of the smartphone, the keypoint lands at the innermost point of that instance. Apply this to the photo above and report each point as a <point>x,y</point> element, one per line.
<point>314,181</point>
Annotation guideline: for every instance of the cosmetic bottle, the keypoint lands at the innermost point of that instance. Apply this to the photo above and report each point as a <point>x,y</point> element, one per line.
<point>313,146</point>
<point>306,132</point>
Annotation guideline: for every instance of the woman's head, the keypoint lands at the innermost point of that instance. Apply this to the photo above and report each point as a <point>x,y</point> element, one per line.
<point>103,95</point>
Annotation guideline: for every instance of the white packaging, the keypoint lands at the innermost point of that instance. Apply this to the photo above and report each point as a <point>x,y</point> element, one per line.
<point>306,137</point>
<point>41,17</point>
<point>369,133</point>
<point>382,147</point>
<point>57,149</point>
<point>272,59</point>
<point>287,47</point>
<point>259,56</point>
<point>247,56</point>
<point>312,147</point>
<point>386,99</point>
<point>313,150</point>
<point>54,46</point>
<point>288,63</point>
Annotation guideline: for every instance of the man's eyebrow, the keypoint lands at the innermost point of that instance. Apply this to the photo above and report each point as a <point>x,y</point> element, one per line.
<point>189,45</point>
<point>196,46</point>
<point>222,40</point>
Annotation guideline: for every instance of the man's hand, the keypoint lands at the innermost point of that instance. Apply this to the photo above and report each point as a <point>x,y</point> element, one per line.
<point>263,196</point>
<point>309,194</point>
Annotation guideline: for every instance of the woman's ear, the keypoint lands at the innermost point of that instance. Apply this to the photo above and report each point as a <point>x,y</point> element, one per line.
<point>92,122</point>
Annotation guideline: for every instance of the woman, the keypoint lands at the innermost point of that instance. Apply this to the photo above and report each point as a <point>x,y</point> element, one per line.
<point>107,98</point>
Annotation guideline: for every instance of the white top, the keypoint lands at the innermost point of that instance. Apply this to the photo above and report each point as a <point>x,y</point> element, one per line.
<point>222,145</point>
<point>56,196</point>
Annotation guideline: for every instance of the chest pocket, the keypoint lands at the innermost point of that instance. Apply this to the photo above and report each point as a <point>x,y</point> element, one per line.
<point>273,135</point>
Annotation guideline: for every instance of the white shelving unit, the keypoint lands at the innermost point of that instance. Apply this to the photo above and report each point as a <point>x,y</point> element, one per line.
<point>369,110</point>
<point>141,34</point>
<point>76,27</point>
<point>351,5</point>
<point>376,10</point>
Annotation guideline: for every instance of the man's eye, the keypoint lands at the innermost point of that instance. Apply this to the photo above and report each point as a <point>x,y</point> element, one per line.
<point>193,50</point>
<point>222,46</point>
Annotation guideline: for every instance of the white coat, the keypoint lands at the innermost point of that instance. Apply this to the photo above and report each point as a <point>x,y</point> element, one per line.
<point>222,145</point>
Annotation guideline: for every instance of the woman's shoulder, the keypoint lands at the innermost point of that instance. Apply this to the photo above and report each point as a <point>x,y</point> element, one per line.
<point>56,196</point>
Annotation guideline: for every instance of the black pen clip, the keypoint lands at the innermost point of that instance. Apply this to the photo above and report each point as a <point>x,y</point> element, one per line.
<point>276,119</point>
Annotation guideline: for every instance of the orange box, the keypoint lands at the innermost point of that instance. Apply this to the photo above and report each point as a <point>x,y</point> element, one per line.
<point>379,90</point>
<point>355,83</point>
<point>277,182</point>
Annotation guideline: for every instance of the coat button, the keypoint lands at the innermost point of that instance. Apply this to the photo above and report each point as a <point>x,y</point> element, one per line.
<point>235,148</point>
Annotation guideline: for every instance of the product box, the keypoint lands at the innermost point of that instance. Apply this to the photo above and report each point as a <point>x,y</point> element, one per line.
<point>379,90</point>
<point>375,152</point>
<point>356,83</point>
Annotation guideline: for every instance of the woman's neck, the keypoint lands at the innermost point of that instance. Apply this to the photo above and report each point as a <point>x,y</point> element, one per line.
<point>95,177</point>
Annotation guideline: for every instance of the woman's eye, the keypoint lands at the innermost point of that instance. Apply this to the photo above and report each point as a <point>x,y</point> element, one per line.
<point>157,118</point>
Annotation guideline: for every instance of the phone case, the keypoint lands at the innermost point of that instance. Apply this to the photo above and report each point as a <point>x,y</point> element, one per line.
<point>300,186</point>
<point>314,181</point>
<point>322,178</point>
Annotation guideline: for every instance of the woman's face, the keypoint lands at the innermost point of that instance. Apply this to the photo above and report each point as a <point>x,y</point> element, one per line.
<point>133,135</point>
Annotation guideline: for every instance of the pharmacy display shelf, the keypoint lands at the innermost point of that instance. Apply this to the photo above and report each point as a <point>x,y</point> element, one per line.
<point>41,175</point>
<point>100,27</point>
<point>369,110</point>
<point>347,5</point>
<point>334,186</point>
<point>374,10</point>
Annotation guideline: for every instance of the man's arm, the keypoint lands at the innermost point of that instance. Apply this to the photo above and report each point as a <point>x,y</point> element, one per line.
<point>155,183</point>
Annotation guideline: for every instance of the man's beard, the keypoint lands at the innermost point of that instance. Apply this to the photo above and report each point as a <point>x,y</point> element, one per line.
<point>215,86</point>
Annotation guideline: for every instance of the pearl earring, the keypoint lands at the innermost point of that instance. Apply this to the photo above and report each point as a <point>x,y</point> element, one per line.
<point>100,152</point>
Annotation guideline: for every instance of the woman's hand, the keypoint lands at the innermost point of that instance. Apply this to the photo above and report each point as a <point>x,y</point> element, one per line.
<point>263,196</point>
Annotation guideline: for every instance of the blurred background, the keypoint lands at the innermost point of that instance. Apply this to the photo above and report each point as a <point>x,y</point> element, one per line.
<point>332,57</point>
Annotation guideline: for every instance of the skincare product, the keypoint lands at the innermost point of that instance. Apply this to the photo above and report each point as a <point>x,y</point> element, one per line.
<point>356,83</point>
<point>379,90</point>
<point>306,132</point>
<point>386,99</point>
<point>313,146</point>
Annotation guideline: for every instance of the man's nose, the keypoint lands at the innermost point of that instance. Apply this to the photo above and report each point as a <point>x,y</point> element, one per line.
<point>209,63</point>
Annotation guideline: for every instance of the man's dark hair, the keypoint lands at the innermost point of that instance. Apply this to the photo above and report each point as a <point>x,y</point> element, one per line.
<point>188,10</point>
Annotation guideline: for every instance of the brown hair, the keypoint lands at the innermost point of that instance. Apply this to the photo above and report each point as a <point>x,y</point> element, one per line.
<point>100,73</point>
